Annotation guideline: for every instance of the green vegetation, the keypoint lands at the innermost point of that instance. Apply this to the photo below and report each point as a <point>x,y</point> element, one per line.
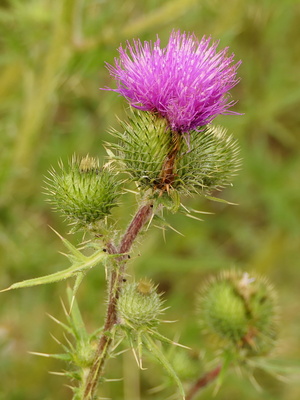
<point>52,66</point>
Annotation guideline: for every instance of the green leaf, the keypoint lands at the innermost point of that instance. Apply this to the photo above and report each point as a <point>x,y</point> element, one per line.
<point>81,263</point>
<point>158,354</point>
<point>75,317</point>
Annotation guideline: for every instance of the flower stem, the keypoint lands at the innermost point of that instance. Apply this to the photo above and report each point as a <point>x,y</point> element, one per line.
<point>115,283</point>
<point>203,381</point>
<point>168,171</point>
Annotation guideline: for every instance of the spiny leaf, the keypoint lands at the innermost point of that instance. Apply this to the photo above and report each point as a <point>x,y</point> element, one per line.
<point>75,317</point>
<point>159,355</point>
<point>81,263</point>
<point>78,280</point>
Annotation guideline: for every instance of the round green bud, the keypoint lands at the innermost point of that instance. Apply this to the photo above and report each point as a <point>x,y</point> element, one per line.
<point>162,160</point>
<point>139,305</point>
<point>84,354</point>
<point>240,310</point>
<point>84,193</point>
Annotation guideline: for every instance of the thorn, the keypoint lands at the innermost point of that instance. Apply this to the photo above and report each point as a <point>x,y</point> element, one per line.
<point>55,319</point>
<point>194,217</point>
<point>201,212</point>
<point>169,322</point>
<point>150,221</point>
<point>56,373</point>
<point>130,191</point>
<point>55,339</point>
<point>71,305</point>
<point>255,383</point>
<point>156,389</point>
<point>119,353</point>
<point>114,380</point>
<point>64,307</point>
<point>5,290</point>
<point>68,341</point>
<point>58,234</point>
<point>175,230</point>
<point>135,356</point>
<point>181,345</point>
<point>64,254</point>
<point>34,353</point>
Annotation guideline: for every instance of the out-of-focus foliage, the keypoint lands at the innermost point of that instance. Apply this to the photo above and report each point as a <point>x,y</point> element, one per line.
<point>52,65</point>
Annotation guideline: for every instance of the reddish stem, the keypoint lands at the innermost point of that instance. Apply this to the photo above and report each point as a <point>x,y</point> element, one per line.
<point>140,219</point>
<point>203,381</point>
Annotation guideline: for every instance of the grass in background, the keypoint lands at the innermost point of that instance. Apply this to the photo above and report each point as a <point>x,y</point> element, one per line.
<point>52,65</point>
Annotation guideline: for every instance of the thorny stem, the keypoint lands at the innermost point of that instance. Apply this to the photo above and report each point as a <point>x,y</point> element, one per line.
<point>116,279</point>
<point>203,381</point>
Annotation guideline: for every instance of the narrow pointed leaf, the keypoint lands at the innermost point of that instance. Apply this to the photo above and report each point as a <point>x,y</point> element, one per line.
<point>78,326</point>
<point>83,264</point>
<point>158,354</point>
<point>78,280</point>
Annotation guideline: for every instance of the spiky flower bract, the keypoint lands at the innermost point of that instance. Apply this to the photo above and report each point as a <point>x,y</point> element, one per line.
<point>84,193</point>
<point>186,82</point>
<point>147,145</point>
<point>241,311</point>
<point>139,305</point>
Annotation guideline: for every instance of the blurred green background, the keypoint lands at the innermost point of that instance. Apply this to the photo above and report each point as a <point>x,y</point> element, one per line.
<point>52,66</point>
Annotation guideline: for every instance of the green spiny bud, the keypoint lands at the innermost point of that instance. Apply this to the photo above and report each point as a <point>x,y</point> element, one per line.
<point>208,162</point>
<point>241,310</point>
<point>160,159</point>
<point>139,305</point>
<point>84,354</point>
<point>143,147</point>
<point>84,193</point>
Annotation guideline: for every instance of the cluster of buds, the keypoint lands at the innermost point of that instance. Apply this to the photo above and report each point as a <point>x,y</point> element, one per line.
<point>160,159</point>
<point>170,145</point>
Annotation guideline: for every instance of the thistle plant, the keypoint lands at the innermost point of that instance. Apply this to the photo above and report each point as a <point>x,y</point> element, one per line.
<point>169,148</point>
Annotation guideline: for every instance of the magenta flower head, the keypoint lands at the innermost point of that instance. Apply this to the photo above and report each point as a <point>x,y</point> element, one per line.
<point>186,82</point>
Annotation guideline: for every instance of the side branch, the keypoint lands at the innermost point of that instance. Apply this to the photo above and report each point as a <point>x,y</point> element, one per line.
<point>203,381</point>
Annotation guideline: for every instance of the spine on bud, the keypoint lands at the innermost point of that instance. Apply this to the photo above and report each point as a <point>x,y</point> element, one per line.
<point>241,311</point>
<point>167,161</point>
<point>139,305</point>
<point>84,192</point>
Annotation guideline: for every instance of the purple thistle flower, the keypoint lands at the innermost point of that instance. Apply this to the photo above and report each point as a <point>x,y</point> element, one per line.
<point>186,82</point>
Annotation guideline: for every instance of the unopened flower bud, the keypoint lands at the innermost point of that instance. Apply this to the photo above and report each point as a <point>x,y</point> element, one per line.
<point>241,310</point>
<point>84,193</point>
<point>139,305</point>
<point>165,161</point>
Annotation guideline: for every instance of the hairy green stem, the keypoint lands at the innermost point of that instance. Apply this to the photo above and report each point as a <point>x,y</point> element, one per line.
<point>115,283</point>
<point>203,381</point>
